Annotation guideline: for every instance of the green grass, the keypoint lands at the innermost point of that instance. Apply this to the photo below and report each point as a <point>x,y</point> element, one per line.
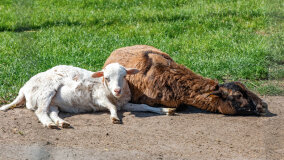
<point>271,90</point>
<point>220,39</point>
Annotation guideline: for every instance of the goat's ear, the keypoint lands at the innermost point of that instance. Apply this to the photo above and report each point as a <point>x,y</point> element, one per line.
<point>132,70</point>
<point>98,74</point>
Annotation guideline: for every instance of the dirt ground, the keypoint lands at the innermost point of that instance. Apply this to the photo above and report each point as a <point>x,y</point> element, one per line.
<point>191,134</point>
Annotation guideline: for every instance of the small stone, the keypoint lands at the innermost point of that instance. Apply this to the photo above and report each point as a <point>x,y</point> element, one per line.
<point>15,130</point>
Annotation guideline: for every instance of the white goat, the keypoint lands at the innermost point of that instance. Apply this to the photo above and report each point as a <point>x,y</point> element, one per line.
<point>76,90</point>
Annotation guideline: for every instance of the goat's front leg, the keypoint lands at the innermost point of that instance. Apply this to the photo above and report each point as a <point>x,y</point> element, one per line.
<point>113,111</point>
<point>146,108</point>
<point>113,114</point>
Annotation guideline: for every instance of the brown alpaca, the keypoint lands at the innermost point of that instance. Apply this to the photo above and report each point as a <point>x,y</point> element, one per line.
<point>163,82</point>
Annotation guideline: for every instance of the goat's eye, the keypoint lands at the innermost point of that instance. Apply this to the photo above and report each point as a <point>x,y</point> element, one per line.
<point>124,76</point>
<point>107,79</point>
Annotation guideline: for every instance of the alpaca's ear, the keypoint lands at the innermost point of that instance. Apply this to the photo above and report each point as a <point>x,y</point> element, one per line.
<point>222,93</point>
<point>132,70</point>
<point>98,74</point>
<point>216,93</point>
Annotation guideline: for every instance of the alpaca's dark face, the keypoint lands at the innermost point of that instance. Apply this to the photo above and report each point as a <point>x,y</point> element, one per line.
<point>243,100</point>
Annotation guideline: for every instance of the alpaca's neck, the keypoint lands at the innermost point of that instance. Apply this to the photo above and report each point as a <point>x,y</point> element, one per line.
<point>196,89</point>
<point>202,99</point>
<point>191,85</point>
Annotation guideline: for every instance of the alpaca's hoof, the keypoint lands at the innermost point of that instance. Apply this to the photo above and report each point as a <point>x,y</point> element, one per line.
<point>115,120</point>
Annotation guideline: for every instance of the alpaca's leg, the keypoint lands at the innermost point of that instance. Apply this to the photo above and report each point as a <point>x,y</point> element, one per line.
<point>146,108</point>
<point>53,113</point>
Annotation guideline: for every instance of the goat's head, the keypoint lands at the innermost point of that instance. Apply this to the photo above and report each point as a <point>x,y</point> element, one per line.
<point>239,97</point>
<point>114,77</point>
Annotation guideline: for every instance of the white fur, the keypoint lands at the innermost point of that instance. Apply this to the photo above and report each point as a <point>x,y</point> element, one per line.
<point>75,90</point>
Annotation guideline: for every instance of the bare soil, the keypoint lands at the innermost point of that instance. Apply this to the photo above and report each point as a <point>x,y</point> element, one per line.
<point>191,134</point>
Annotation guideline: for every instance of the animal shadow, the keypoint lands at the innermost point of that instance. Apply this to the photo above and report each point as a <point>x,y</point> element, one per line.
<point>270,114</point>
<point>181,110</point>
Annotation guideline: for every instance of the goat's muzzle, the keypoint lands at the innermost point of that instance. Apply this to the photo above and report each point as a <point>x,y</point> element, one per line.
<point>117,92</point>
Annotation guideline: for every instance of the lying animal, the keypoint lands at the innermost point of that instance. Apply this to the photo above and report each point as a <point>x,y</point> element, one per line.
<point>163,82</point>
<point>76,90</point>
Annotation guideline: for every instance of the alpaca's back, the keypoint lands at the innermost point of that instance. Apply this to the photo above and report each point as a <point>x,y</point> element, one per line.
<point>156,83</point>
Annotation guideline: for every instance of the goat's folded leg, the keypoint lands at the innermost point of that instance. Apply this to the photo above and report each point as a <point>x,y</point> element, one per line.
<point>41,112</point>
<point>113,115</point>
<point>53,113</point>
<point>113,111</point>
<point>44,118</point>
<point>146,108</point>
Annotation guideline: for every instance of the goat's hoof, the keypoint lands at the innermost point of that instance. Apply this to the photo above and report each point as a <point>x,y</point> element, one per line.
<point>171,112</point>
<point>115,120</point>
<point>168,111</point>
<point>64,125</point>
<point>52,126</point>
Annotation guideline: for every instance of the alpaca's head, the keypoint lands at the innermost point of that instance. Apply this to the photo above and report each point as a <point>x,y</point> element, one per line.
<point>240,98</point>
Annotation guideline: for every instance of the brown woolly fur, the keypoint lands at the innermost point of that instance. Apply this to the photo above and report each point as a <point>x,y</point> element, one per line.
<point>163,82</point>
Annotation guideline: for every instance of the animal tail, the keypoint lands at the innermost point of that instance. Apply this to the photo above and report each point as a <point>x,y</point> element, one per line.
<point>18,101</point>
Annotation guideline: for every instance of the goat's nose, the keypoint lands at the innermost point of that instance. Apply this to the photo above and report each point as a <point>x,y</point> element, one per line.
<point>117,90</point>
